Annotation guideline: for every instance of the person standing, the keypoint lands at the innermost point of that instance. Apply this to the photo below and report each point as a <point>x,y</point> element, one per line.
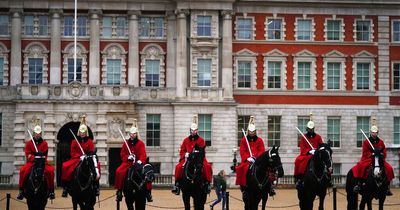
<point>31,154</point>
<point>220,189</point>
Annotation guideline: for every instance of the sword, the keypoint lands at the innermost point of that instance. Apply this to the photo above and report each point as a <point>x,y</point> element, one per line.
<point>83,153</point>
<point>305,138</point>
<point>123,139</point>
<point>367,139</point>
<point>247,141</point>
<point>34,144</point>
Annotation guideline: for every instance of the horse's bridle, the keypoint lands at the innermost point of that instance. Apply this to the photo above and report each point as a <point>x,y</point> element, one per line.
<point>325,171</point>
<point>195,174</point>
<point>265,180</point>
<point>90,179</point>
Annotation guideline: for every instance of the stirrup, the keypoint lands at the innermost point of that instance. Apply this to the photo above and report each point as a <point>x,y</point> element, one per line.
<point>52,196</point>
<point>175,190</point>
<point>389,193</point>
<point>119,196</point>
<point>149,197</point>
<point>20,196</point>
<point>64,193</point>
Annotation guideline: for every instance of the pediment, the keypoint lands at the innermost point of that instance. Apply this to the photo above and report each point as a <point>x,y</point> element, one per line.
<point>275,53</point>
<point>304,53</point>
<point>245,53</point>
<point>334,54</point>
<point>364,54</point>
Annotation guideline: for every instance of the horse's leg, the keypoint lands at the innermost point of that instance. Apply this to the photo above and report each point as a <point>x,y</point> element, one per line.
<point>362,203</point>
<point>264,202</point>
<point>381,202</point>
<point>186,200</point>
<point>369,204</point>
<point>300,196</point>
<point>321,201</point>
<point>74,204</point>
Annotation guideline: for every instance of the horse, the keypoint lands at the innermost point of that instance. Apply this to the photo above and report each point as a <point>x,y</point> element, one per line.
<point>375,186</point>
<point>316,178</point>
<point>35,188</point>
<point>258,179</point>
<point>82,189</point>
<point>134,185</point>
<point>192,182</point>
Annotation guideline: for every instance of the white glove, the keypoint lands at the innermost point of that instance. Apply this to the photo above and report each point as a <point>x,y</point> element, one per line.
<point>312,151</point>
<point>131,157</point>
<point>82,157</point>
<point>251,159</point>
<point>139,162</point>
<point>186,154</point>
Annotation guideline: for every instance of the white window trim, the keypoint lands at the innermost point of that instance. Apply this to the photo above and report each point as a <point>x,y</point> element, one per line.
<point>214,23</point>
<point>253,34</point>
<point>312,37</point>
<point>35,50</point>
<point>81,53</point>
<point>392,30</point>
<point>36,25</point>
<point>342,34</point>
<point>152,52</point>
<point>114,27</point>
<point>392,73</point>
<point>245,55</point>
<point>113,51</point>
<point>87,26</point>
<point>364,57</point>
<point>371,30</point>
<point>340,129</point>
<point>334,56</point>
<point>305,56</point>
<point>152,29</point>
<point>283,28</point>
<point>275,55</point>
<point>4,54</point>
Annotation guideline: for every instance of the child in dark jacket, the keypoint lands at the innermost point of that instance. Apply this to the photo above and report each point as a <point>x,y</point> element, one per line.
<point>220,189</point>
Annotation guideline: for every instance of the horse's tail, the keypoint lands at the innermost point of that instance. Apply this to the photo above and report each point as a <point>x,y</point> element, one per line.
<point>351,195</point>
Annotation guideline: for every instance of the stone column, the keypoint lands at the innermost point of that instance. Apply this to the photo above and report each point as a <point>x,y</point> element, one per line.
<point>383,61</point>
<point>94,53</point>
<point>171,49</point>
<point>16,58</point>
<point>227,73</point>
<point>181,54</point>
<point>55,47</point>
<point>133,53</point>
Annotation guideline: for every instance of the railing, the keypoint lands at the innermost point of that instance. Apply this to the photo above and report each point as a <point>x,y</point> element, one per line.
<point>163,180</point>
<point>338,180</point>
<point>5,180</point>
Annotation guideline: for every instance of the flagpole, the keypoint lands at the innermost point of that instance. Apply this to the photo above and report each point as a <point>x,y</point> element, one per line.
<point>75,25</point>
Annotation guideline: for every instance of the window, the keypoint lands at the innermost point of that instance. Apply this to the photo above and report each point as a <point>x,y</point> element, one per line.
<point>274,130</point>
<point>396,31</point>
<point>205,127</point>
<point>334,130</point>
<point>1,130</point>
<point>153,129</point>
<point>28,24</point>
<point>243,121</point>
<point>156,167</point>
<point>71,70</point>
<point>304,75</point>
<point>363,28</point>
<point>113,26</point>
<point>4,25</point>
<point>274,29</point>
<point>151,27</point>
<point>363,124</point>
<point>396,76</point>
<point>274,74</point>
<point>363,76</point>
<point>396,130</point>
<point>35,70</point>
<point>43,25</point>
<point>113,71</point>
<point>203,25</point>
<point>1,71</point>
<point>333,75</point>
<point>121,26</point>
<point>107,27</point>
<point>152,73</point>
<point>304,29</point>
<point>244,74</point>
<point>245,28</point>
<point>333,30</point>
<point>204,72</point>
<point>337,169</point>
<point>82,26</point>
<point>301,124</point>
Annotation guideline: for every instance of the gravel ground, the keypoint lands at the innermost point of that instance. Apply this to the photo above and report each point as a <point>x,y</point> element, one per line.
<point>164,199</point>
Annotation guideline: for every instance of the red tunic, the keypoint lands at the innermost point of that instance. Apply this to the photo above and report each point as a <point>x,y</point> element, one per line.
<point>301,162</point>
<point>360,170</point>
<point>69,166</point>
<point>139,150</point>
<point>30,157</point>
<point>257,148</point>
<point>188,146</point>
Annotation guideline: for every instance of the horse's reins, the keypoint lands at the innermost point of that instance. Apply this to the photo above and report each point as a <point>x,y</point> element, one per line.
<point>254,171</point>
<point>325,171</point>
<point>187,171</point>
<point>88,183</point>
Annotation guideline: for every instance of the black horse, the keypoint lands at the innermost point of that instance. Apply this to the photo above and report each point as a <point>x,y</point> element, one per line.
<point>316,178</point>
<point>258,178</point>
<point>82,187</point>
<point>375,186</point>
<point>192,182</point>
<point>35,187</point>
<point>134,185</point>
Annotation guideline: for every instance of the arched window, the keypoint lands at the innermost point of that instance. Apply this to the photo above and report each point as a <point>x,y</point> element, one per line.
<point>35,65</point>
<point>152,66</point>
<point>113,71</point>
<point>68,64</point>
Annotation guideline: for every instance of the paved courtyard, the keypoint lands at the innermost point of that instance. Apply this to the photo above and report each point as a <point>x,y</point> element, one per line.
<point>163,199</point>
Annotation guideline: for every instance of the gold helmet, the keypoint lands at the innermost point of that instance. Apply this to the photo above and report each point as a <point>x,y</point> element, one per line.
<point>134,128</point>
<point>374,127</point>
<point>194,125</point>
<point>251,127</point>
<point>37,129</point>
<point>83,127</point>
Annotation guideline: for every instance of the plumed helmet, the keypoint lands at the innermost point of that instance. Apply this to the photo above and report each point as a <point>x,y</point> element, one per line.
<point>374,129</point>
<point>37,129</point>
<point>310,124</point>
<point>83,127</point>
<point>194,125</point>
<point>133,129</point>
<point>251,127</point>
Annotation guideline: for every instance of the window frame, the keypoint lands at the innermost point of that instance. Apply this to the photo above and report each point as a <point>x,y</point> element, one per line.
<point>114,70</point>
<point>365,129</point>
<point>5,26</point>
<point>204,25</point>
<point>396,130</point>
<point>146,73</point>
<point>245,55</point>
<point>327,31</point>
<point>242,120</point>
<point>311,31</point>
<point>302,121</point>
<point>203,128</point>
<point>78,65</point>
<point>153,139</point>
<point>364,57</point>
<point>237,31</point>
<point>336,143</point>
<point>271,133</point>
<point>395,77</point>
<point>393,32</point>
<point>370,30</point>
<point>250,74</point>
<point>79,29</point>
<point>151,27</point>
<point>199,71</point>
<point>282,29</point>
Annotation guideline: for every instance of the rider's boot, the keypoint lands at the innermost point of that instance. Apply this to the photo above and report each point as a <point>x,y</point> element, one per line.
<point>175,189</point>
<point>52,196</point>
<point>97,188</point>
<point>149,197</point>
<point>299,182</point>
<point>119,195</point>
<point>20,195</point>
<point>64,192</point>
<point>388,192</point>
<point>272,191</point>
<point>357,187</point>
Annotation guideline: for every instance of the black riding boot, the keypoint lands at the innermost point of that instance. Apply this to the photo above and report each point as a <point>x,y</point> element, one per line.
<point>119,195</point>
<point>52,196</point>
<point>299,182</point>
<point>97,187</point>
<point>388,192</point>
<point>64,192</point>
<point>272,190</point>
<point>175,189</point>
<point>357,187</point>
<point>20,195</point>
<point>149,197</point>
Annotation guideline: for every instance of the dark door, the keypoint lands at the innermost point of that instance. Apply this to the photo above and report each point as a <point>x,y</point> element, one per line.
<point>114,161</point>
